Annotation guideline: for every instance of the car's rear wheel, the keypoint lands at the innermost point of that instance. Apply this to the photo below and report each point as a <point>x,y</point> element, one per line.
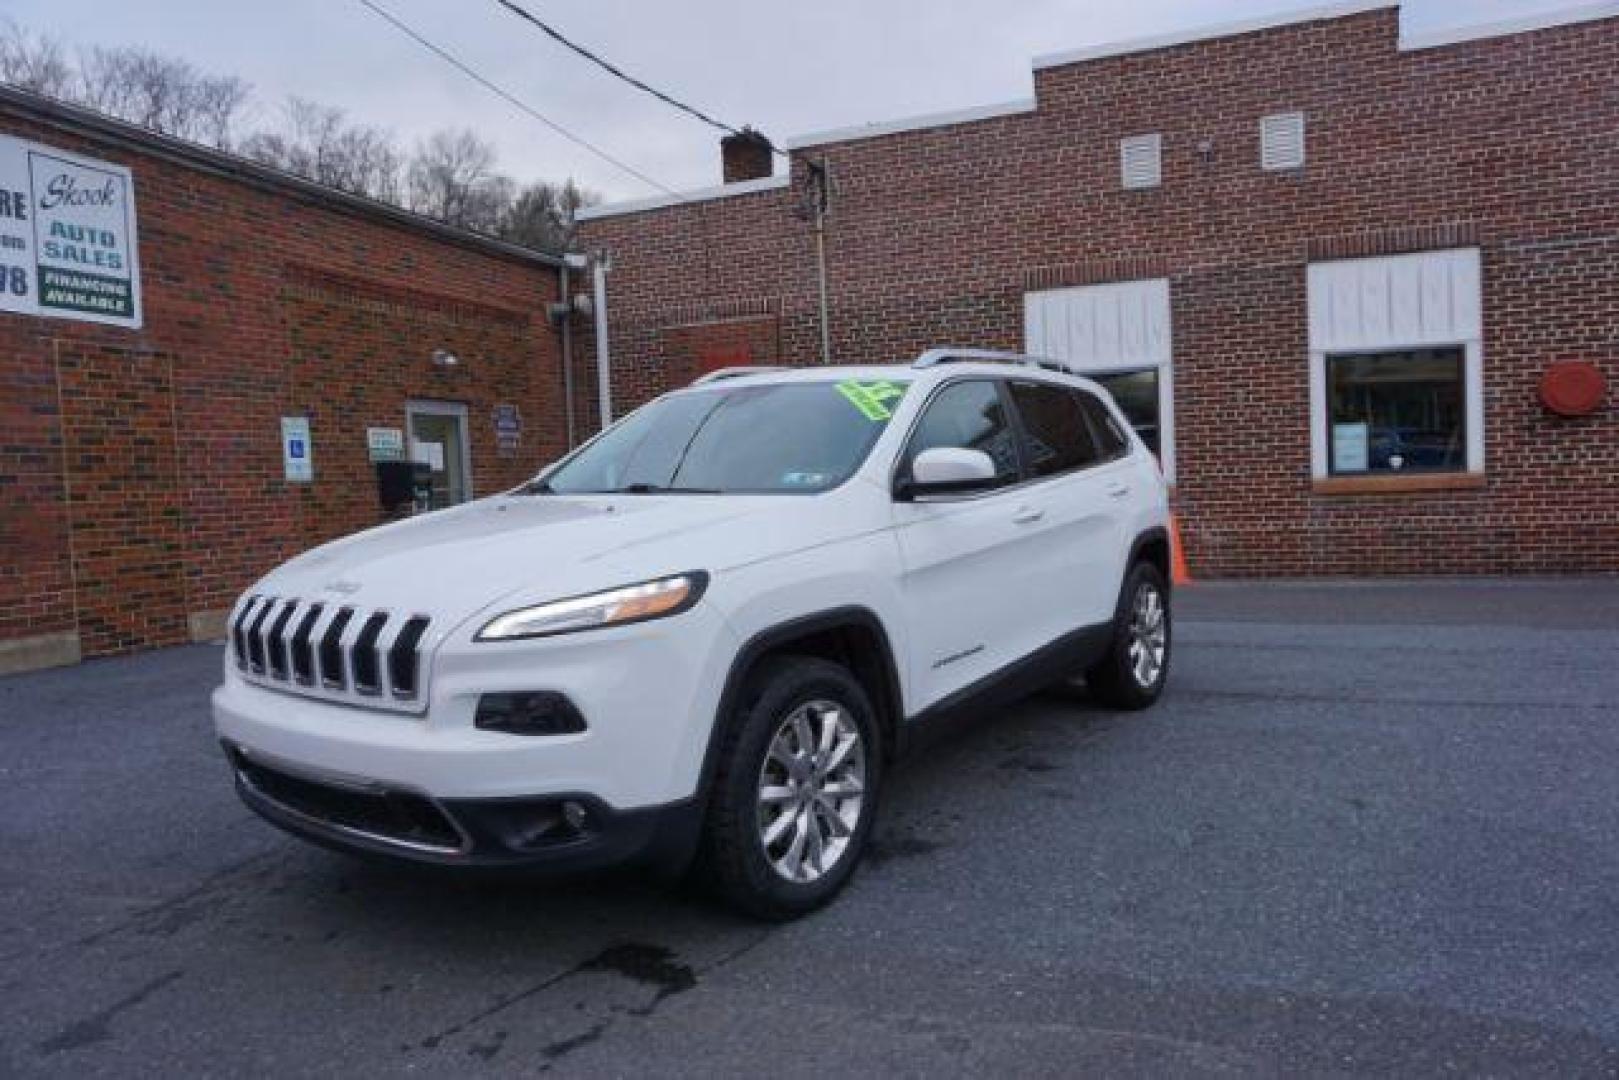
<point>1131,674</point>
<point>795,792</point>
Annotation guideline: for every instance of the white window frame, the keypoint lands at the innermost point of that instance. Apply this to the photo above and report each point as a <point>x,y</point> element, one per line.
<point>1425,300</point>
<point>1090,358</point>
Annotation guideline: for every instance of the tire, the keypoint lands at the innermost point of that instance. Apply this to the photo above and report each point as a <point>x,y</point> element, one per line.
<point>758,791</point>
<point>1122,679</point>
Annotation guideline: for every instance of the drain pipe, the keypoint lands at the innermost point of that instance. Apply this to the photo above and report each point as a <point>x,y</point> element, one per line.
<point>571,261</point>
<point>604,387</point>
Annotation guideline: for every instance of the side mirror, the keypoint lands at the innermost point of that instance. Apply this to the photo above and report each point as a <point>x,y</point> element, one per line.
<point>948,470</point>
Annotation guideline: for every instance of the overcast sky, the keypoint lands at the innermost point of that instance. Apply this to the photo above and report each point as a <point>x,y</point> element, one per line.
<point>787,68</point>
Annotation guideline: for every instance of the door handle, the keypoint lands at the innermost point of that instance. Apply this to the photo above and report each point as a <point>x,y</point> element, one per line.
<point>1118,491</point>
<point>1027,515</point>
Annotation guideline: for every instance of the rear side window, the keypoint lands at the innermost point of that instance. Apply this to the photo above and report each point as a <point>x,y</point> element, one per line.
<point>1110,437</point>
<point>967,416</point>
<point>1057,436</point>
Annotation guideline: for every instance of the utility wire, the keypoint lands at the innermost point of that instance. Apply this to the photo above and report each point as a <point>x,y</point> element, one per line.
<point>467,70</point>
<point>619,73</point>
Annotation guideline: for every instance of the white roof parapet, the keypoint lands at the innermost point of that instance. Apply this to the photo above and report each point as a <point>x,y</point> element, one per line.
<point>1206,33</point>
<point>1542,20</point>
<point>658,202</point>
<point>912,123</point>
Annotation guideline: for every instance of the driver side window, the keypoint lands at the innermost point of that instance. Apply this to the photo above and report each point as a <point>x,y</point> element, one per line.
<point>969,416</point>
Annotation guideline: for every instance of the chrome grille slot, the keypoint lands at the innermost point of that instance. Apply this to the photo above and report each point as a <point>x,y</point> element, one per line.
<point>358,656</point>
<point>404,658</point>
<point>238,631</point>
<point>363,658</point>
<point>333,672</point>
<point>255,635</point>
<point>276,647</point>
<point>303,653</point>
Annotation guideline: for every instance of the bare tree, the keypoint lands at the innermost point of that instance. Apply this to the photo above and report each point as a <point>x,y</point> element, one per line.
<point>542,215</point>
<point>33,62</point>
<point>161,93</point>
<point>452,178</point>
<point>318,142</point>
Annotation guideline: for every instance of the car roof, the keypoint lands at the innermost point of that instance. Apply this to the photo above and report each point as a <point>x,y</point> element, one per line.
<point>905,372</point>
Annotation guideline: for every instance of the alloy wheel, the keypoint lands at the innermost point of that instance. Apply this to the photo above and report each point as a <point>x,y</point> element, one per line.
<point>1149,636</point>
<point>811,791</point>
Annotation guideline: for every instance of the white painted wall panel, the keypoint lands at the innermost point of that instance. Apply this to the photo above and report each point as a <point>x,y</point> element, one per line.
<point>1395,301</point>
<point>1116,326</point>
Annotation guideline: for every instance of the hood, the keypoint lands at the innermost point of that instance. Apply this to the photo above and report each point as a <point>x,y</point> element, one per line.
<point>451,564</point>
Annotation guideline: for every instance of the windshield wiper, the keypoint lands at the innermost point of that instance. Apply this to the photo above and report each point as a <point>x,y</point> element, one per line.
<point>659,489</point>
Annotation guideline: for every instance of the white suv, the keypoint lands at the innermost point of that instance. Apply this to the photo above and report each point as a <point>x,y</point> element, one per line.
<point>708,631</point>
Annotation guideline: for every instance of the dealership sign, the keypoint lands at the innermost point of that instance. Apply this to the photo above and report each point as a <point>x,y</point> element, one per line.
<point>67,236</point>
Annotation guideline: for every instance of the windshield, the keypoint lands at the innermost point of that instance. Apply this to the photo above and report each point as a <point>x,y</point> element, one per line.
<point>788,438</point>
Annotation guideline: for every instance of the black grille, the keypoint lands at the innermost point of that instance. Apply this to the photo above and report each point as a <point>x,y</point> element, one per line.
<point>255,635</point>
<point>390,815</point>
<point>290,641</point>
<point>403,658</point>
<point>303,653</point>
<point>367,669</point>
<point>331,650</point>
<point>277,644</point>
<point>238,631</point>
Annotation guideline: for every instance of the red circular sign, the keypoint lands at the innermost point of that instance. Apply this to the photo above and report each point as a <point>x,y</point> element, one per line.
<point>1572,388</point>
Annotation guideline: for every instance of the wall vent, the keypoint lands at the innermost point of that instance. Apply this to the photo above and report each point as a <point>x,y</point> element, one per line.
<point>1140,161</point>
<point>1281,141</point>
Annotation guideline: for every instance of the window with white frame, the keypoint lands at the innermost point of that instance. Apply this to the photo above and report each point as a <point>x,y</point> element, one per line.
<point>1119,335</point>
<point>1396,365</point>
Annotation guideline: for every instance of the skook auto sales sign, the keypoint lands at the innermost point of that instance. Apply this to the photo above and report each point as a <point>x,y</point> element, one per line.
<point>67,236</point>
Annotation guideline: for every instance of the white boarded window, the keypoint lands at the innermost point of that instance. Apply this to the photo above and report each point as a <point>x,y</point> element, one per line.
<point>1118,334</point>
<point>1281,141</point>
<point>1140,160</point>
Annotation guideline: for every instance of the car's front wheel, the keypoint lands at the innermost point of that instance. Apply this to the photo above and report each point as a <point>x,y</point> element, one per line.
<point>796,788</point>
<point>1131,674</point>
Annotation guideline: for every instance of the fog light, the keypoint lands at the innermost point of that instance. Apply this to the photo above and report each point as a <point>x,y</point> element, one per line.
<point>574,814</point>
<point>531,712</point>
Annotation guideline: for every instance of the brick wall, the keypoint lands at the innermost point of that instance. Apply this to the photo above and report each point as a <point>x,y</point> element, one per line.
<point>142,469</point>
<point>1504,143</point>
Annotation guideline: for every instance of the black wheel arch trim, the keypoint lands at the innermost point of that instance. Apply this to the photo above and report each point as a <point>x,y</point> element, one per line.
<point>1151,535</point>
<point>888,698</point>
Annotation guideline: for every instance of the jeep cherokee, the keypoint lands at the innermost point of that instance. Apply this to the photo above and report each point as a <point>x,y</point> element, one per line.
<point>707,632</point>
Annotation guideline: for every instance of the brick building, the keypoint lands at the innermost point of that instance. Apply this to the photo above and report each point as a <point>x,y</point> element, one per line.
<point>1325,268</point>
<point>143,460</point>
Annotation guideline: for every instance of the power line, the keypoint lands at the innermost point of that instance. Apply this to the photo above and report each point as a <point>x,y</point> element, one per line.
<point>467,70</point>
<point>619,73</point>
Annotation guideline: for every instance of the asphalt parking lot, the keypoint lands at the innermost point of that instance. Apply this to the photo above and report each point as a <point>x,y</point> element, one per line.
<point>1370,829</point>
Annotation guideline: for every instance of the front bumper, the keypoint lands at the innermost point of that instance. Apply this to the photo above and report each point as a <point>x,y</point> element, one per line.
<point>554,832</point>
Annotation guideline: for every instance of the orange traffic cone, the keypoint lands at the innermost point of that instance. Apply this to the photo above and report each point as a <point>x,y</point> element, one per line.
<point>1179,573</point>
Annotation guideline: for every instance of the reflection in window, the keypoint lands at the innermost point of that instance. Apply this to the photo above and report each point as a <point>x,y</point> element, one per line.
<point>1137,395</point>
<point>1396,412</point>
<point>967,415</point>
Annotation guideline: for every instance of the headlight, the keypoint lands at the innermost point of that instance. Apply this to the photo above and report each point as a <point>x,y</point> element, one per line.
<point>614,607</point>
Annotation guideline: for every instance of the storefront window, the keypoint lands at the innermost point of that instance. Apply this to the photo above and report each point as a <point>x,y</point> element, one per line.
<point>1137,395</point>
<point>1396,412</point>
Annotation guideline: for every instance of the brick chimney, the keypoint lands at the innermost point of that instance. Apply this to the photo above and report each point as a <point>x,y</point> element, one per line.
<point>746,156</point>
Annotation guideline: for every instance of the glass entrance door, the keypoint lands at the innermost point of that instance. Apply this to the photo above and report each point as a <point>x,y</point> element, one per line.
<point>438,437</point>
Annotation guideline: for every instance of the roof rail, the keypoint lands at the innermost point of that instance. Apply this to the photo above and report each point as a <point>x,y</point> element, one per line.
<point>736,373</point>
<point>934,357</point>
